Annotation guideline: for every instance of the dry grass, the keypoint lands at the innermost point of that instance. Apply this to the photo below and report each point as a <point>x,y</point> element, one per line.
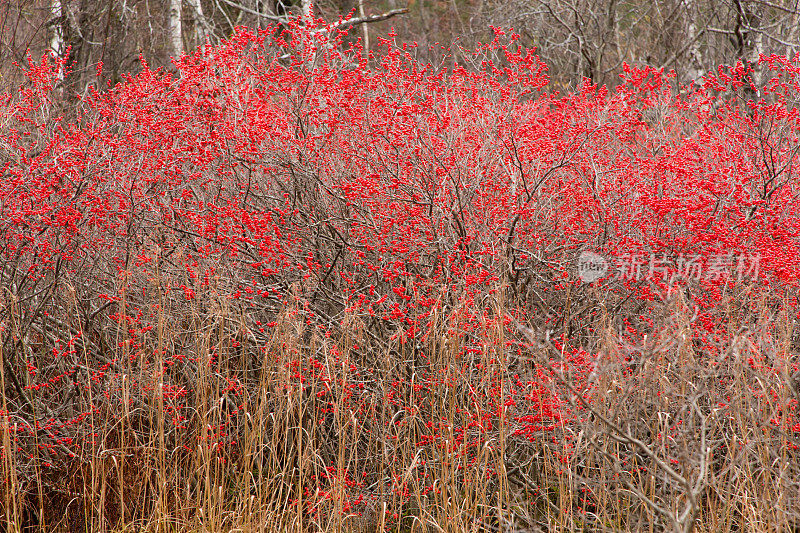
<point>663,435</point>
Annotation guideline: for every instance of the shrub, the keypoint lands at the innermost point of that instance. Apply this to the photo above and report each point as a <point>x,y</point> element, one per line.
<point>284,284</point>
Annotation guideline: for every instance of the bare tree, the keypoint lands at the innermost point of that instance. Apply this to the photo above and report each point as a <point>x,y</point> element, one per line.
<point>57,37</point>
<point>175,28</point>
<point>593,38</point>
<point>117,34</point>
<point>201,26</point>
<point>576,38</point>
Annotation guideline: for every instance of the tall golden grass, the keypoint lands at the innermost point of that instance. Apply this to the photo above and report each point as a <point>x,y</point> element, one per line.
<point>661,436</point>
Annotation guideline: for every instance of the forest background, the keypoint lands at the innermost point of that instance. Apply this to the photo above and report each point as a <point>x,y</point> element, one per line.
<point>576,38</point>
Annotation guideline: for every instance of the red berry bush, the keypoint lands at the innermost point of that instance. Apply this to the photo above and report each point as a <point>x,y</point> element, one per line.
<point>281,284</point>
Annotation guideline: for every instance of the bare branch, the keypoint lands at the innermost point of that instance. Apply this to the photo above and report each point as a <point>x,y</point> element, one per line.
<point>367,19</point>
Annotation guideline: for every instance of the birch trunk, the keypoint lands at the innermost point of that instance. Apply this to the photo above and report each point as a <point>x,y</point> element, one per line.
<point>695,64</point>
<point>174,27</point>
<point>57,38</point>
<point>365,28</point>
<point>754,43</point>
<point>308,11</point>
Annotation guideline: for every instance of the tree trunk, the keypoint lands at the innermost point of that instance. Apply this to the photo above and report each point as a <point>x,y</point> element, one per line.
<point>57,37</point>
<point>199,22</point>
<point>174,28</point>
<point>694,65</point>
<point>364,27</point>
<point>750,37</point>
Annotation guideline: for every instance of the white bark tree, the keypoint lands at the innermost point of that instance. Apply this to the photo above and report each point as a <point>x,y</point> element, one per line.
<point>364,27</point>
<point>307,10</point>
<point>174,27</point>
<point>57,47</point>
<point>694,64</point>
